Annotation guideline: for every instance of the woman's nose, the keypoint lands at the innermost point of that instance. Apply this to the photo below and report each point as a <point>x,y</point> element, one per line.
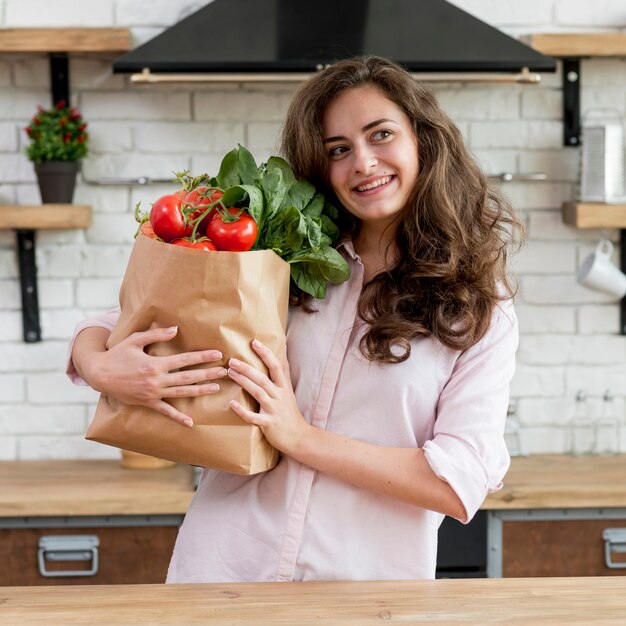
<point>364,159</point>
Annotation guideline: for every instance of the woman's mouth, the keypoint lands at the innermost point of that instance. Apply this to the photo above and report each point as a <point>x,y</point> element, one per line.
<point>375,184</point>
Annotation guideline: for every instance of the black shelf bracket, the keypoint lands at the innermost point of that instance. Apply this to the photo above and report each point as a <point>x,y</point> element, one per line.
<point>622,304</point>
<point>59,77</point>
<point>60,88</point>
<point>28,282</point>
<point>571,102</point>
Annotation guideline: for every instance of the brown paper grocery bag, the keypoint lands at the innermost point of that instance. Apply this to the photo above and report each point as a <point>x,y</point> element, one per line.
<point>220,300</point>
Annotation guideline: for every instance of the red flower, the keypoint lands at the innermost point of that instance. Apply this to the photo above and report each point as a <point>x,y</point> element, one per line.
<point>81,139</point>
<point>28,130</point>
<point>63,122</point>
<point>66,137</point>
<point>36,120</point>
<point>61,104</point>
<point>40,109</point>
<point>82,127</point>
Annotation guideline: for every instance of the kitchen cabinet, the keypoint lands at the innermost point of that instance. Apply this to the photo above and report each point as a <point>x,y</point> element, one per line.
<point>79,522</point>
<point>559,515</point>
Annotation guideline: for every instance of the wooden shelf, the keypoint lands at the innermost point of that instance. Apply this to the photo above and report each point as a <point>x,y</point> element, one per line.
<point>594,215</point>
<point>65,39</point>
<point>45,216</point>
<point>579,45</point>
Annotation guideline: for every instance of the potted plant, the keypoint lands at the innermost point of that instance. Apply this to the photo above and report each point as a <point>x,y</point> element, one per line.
<point>58,141</point>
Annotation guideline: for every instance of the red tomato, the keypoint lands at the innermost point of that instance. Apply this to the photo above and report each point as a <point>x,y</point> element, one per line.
<point>167,219</point>
<point>238,235</point>
<point>147,230</point>
<point>199,244</point>
<point>202,197</point>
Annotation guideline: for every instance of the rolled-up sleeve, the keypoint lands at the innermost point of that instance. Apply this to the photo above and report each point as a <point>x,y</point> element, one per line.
<point>468,449</point>
<point>106,320</point>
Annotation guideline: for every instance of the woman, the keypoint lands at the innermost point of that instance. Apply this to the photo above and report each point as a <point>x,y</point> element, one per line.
<point>392,415</point>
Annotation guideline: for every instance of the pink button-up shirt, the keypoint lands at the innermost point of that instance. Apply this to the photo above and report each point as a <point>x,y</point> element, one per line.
<point>295,523</point>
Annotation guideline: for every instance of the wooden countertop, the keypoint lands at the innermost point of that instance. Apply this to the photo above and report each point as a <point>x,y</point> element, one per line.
<point>68,488</point>
<point>562,481</point>
<point>480,602</point>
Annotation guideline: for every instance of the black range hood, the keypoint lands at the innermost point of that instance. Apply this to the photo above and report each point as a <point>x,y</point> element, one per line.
<point>291,36</point>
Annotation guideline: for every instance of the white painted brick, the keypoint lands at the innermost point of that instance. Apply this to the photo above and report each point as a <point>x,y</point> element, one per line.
<point>11,325</point>
<point>8,448</point>
<point>8,137</point>
<point>11,298</point>
<point>537,381</point>
<point>32,357</point>
<point>508,12</point>
<point>147,105</point>
<point>558,290</point>
<point>557,165</point>
<point>235,106</point>
<point>262,137</point>
<point>537,195</point>
<point>112,228</point>
<point>21,104</point>
<point>598,319</point>
<point>63,447</point>
<point>562,350</point>
<point>60,237</point>
<point>611,97</point>
<point>133,166</point>
<point>544,440</point>
<point>161,13</point>
<point>5,74</point>
<point>7,196</point>
<point>209,163</point>
<point>147,194</point>
<point>141,34</point>
<point>611,13</point>
<point>496,162</point>
<point>595,380</point>
<point>109,137</point>
<point>543,257</point>
<point>543,104</point>
<point>60,324</point>
<point>12,388</point>
<point>602,72</point>
<point>186,138</point>
<point>91,73</point>
<point>105,261</point>
<point>545,319</point>
<point>545,411</point>
<point>58,261</point>
<point>492,103</point>
<point>549,225</point>
<point>7,237</point>
<point>27,193</point>
<point>103,292</point>
<point>30,71</point>
<point>15,167</point>
<point>64,13</point>
<point>8,264</point>
<point>103,199</point>
<point>55,293</point>
<point>41,420</point>
<point>56,388</point>
<point>516,134</point>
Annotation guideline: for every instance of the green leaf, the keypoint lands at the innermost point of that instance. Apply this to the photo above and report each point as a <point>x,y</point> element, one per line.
<point>233,195</point>
<point>228,175</point>
<point>311,270</point>
<point>315,207</point>
<point>274,190</point>
<point>276,163</point>
<point>329,228</point>
<point>248,170</point>
<point>256,205</point>
<point>301,193</point>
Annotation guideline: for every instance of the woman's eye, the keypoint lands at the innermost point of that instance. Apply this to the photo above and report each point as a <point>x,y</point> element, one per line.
<point>379,135</point>
<point>337,151</point>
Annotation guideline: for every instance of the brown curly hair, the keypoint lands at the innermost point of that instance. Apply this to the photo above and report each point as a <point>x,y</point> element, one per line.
<point>452,239</point>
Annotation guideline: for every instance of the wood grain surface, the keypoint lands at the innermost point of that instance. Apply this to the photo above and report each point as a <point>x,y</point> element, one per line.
<point>65,39</point>
<point>48,488</point>
<point>48,216</point>
<point>509,602</point>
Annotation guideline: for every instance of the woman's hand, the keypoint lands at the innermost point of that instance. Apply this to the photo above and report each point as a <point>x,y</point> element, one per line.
<point>125,372</point>
<point>279,417</point>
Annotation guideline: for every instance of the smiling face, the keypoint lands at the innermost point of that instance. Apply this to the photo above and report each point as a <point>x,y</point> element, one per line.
<point>372,155</point>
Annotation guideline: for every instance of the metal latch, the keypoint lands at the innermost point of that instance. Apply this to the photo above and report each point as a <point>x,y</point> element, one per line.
<point>73,548</point>
<point>614,542</point>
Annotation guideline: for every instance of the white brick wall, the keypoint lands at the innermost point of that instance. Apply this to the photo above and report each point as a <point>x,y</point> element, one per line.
<point>569,335</point>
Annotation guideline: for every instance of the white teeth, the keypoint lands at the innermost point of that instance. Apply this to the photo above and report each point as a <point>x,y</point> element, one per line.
<point>376,183</point>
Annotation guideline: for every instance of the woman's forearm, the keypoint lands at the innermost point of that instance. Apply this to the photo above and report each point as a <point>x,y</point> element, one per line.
<point>401,473</point>
<point>89,342</point>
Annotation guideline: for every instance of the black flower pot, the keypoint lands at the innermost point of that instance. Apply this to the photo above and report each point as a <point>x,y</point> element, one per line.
<point>57,180</point>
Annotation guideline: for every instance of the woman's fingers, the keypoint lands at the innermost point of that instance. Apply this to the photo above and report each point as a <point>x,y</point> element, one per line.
<point>187,359</point>
<point>146,337</point>
<point>169,411</point>
<point>274,366</point>
<point>193,377</point>
<point>250,379</point>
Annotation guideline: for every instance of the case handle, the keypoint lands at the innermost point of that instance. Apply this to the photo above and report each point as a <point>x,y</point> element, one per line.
<point>614,543</point>
<point>74,548</point>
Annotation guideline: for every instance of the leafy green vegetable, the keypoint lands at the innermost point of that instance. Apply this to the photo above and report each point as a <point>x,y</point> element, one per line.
<point>294,220</point>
